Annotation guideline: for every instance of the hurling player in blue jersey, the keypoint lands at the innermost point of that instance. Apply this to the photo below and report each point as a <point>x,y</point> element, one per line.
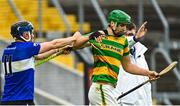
<point>18,62</point>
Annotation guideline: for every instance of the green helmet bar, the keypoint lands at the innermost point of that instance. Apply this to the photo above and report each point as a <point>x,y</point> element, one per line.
<point>119,16</point>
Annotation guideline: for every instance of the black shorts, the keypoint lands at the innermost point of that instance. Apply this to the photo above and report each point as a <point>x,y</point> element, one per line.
<point>19,102</point>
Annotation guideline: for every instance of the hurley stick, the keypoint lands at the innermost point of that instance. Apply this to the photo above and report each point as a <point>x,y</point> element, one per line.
<point>163,72</point>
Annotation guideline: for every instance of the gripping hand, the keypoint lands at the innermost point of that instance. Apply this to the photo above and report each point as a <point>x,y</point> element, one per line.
<point>95,35</point>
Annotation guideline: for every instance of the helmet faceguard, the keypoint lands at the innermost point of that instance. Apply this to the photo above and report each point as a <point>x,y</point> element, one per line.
<point>19,28</point>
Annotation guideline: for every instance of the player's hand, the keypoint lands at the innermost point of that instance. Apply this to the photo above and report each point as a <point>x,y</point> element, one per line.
<point>96,36</point>
<point>153,75</point>
<point>65,50</point>
<point>141,31</point>
<point>68,49</point>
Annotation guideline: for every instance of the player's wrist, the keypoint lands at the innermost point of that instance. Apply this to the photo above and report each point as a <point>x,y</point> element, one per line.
<point>145,72</point>
<point>135,38</point>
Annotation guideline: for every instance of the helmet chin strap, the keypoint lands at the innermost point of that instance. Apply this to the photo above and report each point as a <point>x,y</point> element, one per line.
<point>27,40</point>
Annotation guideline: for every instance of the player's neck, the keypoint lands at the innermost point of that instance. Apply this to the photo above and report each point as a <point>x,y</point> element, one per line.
<point>17,40</point>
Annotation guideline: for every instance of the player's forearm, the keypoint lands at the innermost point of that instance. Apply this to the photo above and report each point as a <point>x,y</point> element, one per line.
<point>58,43</point>
<point>45,54</point>
<point>134,69</point>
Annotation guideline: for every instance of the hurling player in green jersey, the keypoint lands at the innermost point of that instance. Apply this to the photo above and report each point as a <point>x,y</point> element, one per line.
<point>110,50</point>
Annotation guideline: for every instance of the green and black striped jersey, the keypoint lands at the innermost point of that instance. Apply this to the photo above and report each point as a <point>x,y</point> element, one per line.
<point>107,58</point>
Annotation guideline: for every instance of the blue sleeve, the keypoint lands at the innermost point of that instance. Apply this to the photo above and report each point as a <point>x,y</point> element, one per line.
<point>33,48</point>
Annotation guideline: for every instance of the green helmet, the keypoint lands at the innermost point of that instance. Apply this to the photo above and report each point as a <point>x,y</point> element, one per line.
<point>119,16</point>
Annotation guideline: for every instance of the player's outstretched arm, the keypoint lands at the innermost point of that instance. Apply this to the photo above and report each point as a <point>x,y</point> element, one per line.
<point>63,50</point>
<point>58,43</point>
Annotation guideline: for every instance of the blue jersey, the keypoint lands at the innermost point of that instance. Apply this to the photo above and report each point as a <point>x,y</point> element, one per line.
<point>18,62</point>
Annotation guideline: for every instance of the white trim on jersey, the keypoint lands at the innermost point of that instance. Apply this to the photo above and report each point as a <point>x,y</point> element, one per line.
<point>22,65</point>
